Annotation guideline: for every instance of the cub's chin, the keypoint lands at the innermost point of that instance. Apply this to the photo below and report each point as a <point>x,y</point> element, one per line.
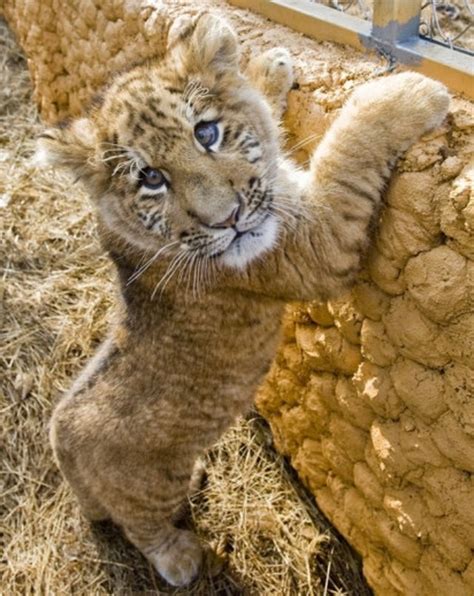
<point>251,245</point>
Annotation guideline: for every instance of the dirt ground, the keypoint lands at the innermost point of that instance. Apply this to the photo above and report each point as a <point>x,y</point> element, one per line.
<point>55,295</point>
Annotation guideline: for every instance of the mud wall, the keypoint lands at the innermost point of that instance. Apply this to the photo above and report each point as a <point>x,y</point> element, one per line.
<point>372,395</point>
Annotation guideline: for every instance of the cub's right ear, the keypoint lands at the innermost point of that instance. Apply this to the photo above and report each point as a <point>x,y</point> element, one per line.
<point>72,147</point>
<point>204,43</point>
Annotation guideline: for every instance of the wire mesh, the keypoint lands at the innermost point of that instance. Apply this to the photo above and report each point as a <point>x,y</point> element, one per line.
<point>450,23</point>
<point>357,8</point>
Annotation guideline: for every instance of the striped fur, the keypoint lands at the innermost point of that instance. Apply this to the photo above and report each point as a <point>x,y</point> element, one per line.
<point>200,307</point>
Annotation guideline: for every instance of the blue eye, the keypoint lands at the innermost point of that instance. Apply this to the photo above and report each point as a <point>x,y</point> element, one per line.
<point>207,134</point>
<point>152,178</point>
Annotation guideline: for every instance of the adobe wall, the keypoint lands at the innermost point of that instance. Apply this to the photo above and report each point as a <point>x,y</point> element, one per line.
<point>372,395</point>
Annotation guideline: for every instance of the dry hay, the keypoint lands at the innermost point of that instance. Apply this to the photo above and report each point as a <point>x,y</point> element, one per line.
<point>55,293</point>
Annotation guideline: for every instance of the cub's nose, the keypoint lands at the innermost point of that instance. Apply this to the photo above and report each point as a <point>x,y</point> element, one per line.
<point>230,221</point>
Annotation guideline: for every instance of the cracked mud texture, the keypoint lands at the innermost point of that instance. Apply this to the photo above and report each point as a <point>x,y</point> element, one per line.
<point>371,395</point>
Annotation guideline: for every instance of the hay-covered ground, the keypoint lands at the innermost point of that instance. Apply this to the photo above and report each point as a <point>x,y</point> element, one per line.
<point>55,292</point>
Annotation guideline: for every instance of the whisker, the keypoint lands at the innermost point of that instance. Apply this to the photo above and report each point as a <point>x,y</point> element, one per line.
<point>188,275</point>
<point>202,273</point>
<point>290,210</point>
<point>161,285</point>
<point>302,143</point>
<point>114,144</point>
<point>193,93</point>
<point>150,261</point>
<point>115,156</point>
<point>182,269</point>
<point>284,219</point>
<point>208,272</point>
<point>196,276</point>
<point>185,272</point>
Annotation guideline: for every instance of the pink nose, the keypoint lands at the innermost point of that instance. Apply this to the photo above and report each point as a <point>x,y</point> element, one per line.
<point>230,221</point>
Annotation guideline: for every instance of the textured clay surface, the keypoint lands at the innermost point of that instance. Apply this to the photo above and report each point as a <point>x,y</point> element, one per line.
<point>371,395</point>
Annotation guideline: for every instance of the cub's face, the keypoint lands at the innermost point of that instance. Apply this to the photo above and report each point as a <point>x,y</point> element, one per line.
<point>181,156</point>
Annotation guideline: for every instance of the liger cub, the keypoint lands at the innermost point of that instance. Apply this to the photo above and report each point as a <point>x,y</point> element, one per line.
<point>212,230</point>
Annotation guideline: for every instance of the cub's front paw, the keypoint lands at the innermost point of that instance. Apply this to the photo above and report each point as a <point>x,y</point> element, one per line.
<point>425,100</point>
<point>180,559</point>
<point>410,104</point>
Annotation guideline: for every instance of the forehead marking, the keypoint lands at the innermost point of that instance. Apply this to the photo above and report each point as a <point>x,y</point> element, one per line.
<point>152,104</point>
<point>174,90</point>
<point>148,120</point>
<point>121,85</point>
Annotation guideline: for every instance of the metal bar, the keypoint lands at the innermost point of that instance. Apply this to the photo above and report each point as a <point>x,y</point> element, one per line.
<point>314,20</point>
<point>396,20</point>
<point>455,69</point>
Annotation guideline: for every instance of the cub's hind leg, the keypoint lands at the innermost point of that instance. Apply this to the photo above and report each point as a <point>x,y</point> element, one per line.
<point>63,448</point>
<point>272,74</point>
<point>68,430</point>
<point>175,554</point>
<point>140,490</point>
<point>146,506</point>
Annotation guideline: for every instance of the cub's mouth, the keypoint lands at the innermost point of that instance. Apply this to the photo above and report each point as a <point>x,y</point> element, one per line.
<point>240,235</point>
<point>247,245</point>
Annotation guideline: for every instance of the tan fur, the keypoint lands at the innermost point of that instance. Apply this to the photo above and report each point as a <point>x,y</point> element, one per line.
<point>197,330</point>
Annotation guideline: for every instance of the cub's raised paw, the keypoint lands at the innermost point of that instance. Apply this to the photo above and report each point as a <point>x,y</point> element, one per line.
<point>272,73</point>
<point>178,561</point>
<point>277,64</point>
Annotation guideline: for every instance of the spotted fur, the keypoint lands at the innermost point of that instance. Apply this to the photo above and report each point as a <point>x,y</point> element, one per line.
<point>207,260</point>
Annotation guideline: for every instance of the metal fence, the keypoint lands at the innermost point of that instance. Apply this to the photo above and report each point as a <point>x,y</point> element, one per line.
<point>449,23</point>
<point>430,36</point>
<point>356,8</point>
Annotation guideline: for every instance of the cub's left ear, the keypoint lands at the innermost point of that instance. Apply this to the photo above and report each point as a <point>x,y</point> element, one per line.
<point>206,42</point>
<point>70,147</point>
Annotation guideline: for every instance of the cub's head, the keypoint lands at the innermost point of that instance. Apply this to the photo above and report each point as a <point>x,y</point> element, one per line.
<point>180,155</point>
